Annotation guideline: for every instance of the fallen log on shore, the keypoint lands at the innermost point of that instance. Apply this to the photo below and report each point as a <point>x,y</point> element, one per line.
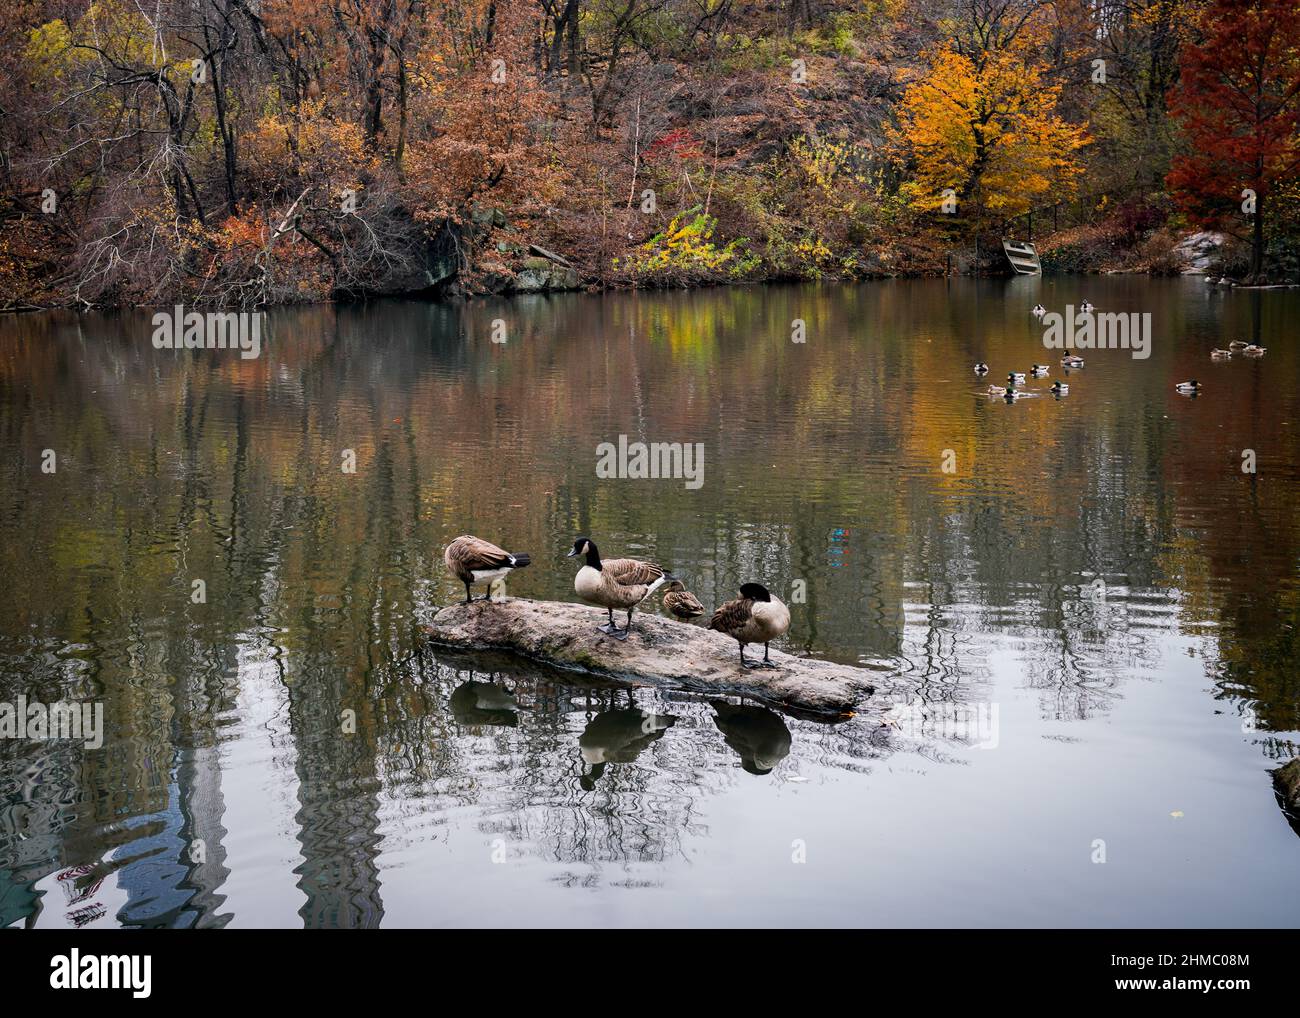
<point>659,650</point>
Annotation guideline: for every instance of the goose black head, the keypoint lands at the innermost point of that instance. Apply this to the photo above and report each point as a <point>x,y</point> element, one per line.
<point>586,546</point>
<point>755,592</point>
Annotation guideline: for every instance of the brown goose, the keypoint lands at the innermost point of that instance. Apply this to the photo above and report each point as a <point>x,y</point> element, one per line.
<point>757,617</point>
<point>617,583</point>
<point>680,602</point>
<point>474,560</point>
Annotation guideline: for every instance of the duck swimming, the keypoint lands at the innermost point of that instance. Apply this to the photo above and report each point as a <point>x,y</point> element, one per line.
<point>1086,307</point>
<point>1039,370</point>
<point>1189,388</point>
<point>621,583</point>
<point>1039,311</point>
<point>981,368</point>
<point>757,616</point>
<point>1238,344</point>
<point>1220,355</point>
<point>1072,361</point>
<point>1060,388</point>
<point>1254,351</point>
<point>474,560</point>
<point>1016,377</point>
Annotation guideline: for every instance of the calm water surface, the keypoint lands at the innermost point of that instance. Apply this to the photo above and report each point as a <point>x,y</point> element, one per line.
<point>1136,722</point>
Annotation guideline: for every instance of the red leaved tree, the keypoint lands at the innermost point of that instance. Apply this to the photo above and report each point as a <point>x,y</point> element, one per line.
<point>1238,102</point>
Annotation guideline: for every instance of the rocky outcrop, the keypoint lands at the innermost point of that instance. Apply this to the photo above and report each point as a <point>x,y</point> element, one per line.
<point>1198,251</point>
<point>659,650</point>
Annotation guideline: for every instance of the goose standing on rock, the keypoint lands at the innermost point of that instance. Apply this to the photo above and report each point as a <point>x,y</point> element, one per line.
<point>758,616</point>
<point>680,602</point>
<point>474,560</point>
<point>617,583</point>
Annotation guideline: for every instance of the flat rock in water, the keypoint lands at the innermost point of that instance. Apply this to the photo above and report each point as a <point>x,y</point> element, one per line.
<point>658,650</point>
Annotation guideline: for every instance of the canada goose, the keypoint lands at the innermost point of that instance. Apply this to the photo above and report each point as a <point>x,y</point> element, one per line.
<point>618,736</point>
<point>1255,351</point>
<point>1060,388</point>
<point>474,560</point>
<point>759,735</point>
<point>681,602</point>
<point>981,368</point>
<point>1039,370</point>
<point>1072,361</point>
<point>758,616</point>
<point>483,703</point>
<point>1016,377</point>
<point>1189,388</point>
<point>1238,344</point>
<point>1039,311</point>
<point>621,583</point>
<point>1220,355</point>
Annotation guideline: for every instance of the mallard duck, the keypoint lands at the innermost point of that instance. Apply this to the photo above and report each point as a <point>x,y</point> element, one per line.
<point>1039,370</point>
<point>1072,361</point>
<point>618,736</point>
<point>1189,388</point>
<point>681,602</point>
<point>981,368</point>
<point>1016,377</point>
<point>1039,311</point>
<point>1086,307</point>
<point>474,560</point>
<point>757,616</point>
<point>619,583</point>
<point>1255,351</point>
<point>756,733</point>
<point>1238,344</point>
<point>1060,388</point>
<point>1011,394</point>
<point>997,390</point>
<point>1220,355</point>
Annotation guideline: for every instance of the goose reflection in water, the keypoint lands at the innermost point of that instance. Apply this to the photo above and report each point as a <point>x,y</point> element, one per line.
<point>759,735</point>
<point>484,703</point>
<point>618,736</point>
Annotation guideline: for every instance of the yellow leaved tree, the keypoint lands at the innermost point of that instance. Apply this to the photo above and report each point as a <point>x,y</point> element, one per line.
<point>984,141</point>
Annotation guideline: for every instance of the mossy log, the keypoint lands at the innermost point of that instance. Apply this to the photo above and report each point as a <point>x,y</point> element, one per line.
<point>658,650</point>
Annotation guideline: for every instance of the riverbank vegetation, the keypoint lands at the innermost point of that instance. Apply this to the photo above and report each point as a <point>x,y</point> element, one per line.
<point>249,153</point>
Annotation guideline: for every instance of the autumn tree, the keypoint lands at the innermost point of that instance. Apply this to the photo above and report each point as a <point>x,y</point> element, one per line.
<point>982,130</point>
<point>1238,103</point>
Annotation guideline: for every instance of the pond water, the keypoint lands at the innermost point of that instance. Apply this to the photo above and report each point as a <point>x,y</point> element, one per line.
<point>1084,629</point>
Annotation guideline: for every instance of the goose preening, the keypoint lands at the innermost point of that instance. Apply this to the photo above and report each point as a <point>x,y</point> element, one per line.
<point>1189,388</point>
<point>1039,311</point>
<point>759,735</point>
<point>1254,351</point>
<point>618,736</point>
<point>680,602</point>
<point>1060,388</point>
<point>1220,355</point>
<point>981,368</point>
<point>757,616</point>
<point>483,703</point>
<point>1072,361</point>
<point>474,560</point>
<point>1039,370</point>
<point>1016,377</point>
<point>617,583</point>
